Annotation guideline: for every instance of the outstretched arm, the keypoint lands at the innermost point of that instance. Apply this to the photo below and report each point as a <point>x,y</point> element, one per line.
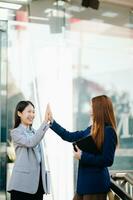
<point>20,138</point>
<point>67,135</point>
<point>62,132</point>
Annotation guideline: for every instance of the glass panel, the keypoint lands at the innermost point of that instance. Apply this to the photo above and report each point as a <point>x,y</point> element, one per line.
<point>101,44</point>
<point>3,100</point>
<point>39,71</point>
<point>65,56</point>
<point>102,64</point>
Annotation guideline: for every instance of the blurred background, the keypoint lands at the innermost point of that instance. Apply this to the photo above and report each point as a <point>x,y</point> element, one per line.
<point>65,53</point>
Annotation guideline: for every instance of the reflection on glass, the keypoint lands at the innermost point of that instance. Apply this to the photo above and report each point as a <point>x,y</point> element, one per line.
<point>70,55</point>
<point>3,111</point>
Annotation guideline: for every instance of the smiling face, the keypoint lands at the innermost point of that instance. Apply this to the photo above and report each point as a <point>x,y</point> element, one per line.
<point>27,115</point>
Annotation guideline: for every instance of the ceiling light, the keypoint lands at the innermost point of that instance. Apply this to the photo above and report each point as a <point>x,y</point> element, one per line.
<point>109,14</point>
<point>10,5</point>
<point>76,8</point>
<point>38,18</point>
<point>97,20</point>
<point>59,3</point>
<point>17,1</point>
<point>48,10</point>
<point>57,13</point>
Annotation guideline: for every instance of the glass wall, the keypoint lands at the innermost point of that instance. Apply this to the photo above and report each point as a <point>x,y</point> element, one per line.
<point>64,54</point>
<point>103,51</point>
<point>39,71</point>
<point>3,103</point>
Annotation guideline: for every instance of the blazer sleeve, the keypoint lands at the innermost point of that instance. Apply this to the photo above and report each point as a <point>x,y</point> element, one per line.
<point>106,158</point>
<point>66,135</point>
<point>20,139</point>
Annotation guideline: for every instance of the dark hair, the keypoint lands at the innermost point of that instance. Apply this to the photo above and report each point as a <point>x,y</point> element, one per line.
<point>103,113</point>
<point>20,107</point>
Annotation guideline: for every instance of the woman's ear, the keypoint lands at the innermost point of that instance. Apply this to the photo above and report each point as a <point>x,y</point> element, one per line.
<point>19,113</point>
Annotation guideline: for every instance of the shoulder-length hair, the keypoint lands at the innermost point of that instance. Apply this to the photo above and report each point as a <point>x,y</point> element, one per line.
<point>103,114</point>
<point>20,107</point>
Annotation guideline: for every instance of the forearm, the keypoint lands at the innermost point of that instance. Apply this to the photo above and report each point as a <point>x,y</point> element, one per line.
<point>65,134</point>
<point>21,139</point>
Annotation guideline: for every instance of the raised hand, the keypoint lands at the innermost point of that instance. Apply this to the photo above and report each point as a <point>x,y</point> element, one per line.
<point>48,114</point>
<point>46,118</point>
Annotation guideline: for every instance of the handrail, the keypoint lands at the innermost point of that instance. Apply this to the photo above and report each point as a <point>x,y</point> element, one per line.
<point>123,176</point>
<point>119,191</point>
<point>118,183</point>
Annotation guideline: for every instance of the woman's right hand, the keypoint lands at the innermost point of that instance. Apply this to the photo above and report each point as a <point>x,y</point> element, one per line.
<point>48,114</point>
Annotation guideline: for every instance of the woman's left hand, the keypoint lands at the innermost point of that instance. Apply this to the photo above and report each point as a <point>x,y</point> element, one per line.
<point>77,154</point>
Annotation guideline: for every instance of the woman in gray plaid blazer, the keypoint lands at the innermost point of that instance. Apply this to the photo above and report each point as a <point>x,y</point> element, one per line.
<point>29,178</point>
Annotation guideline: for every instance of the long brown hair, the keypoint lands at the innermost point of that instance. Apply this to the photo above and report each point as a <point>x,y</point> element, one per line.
<point>103,113</point>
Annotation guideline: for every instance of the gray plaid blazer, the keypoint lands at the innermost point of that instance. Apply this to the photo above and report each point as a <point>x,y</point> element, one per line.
<point>26,171</point>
